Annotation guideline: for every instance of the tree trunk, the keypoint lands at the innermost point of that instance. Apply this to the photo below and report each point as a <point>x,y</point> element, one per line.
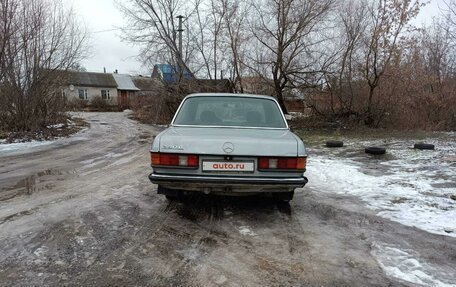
<point>281,101</point>
<point>369,118</point>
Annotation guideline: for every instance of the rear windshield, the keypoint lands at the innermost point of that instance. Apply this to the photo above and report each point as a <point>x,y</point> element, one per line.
<point>230,111</point>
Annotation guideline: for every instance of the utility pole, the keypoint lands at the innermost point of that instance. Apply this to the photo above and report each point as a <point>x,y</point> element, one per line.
<point>180,30</point>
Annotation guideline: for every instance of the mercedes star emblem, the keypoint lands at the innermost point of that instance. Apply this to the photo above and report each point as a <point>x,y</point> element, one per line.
<point>228,147</point>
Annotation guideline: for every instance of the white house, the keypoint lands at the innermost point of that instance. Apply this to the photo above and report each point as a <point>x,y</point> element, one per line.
<point>87,86</point>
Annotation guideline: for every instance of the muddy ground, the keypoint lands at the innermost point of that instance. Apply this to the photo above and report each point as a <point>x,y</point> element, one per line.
<point>83,212</point>
<point>66,128</point>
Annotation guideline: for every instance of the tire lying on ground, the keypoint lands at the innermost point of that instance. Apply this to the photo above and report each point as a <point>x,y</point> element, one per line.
<point>334,143</point>
<point>423,146</point>
<point>375,150</point>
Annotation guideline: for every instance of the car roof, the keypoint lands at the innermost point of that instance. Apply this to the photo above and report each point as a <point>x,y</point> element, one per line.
<point>229,95</point>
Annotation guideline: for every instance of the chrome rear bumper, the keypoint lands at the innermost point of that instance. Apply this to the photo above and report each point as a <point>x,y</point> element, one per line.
<point>210,181</point>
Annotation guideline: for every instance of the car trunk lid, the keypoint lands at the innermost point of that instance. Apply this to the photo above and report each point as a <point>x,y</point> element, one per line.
<point>221,140</point>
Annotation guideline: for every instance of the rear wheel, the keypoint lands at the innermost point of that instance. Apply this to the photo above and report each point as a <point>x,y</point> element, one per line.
<point>283,196</point>
<point>171,198</point>
<point>170,194</point>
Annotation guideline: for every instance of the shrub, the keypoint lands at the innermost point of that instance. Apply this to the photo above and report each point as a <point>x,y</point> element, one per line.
<point>98,103</point>
<point>76,104</point>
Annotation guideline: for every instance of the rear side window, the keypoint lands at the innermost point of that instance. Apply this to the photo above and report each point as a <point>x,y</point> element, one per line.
<point>230,111</point>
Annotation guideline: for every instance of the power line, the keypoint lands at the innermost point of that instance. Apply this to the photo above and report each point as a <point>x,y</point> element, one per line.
<point>103,31</point>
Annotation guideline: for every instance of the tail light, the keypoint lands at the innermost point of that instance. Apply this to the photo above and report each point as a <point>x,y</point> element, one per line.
<point>174,160</point>
<point>282,163</point>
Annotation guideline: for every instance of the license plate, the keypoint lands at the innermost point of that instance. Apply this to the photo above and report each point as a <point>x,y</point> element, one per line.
<point>237,166</point>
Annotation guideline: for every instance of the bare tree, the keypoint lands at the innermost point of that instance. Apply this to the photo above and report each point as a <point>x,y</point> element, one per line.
<point>207,35</point>
<point>7,11</point>
<point>152,25</point>
<point>448,9</point>
<point>234,17</point>
<point>388,19</point>
<point>350,59</point>
<point>286,30</point>
<point>438,51</point>
<point>218,15</point>
<point>343,72</point>
<point>200,39</point>
<point>353,20</point>
<point>41,39</point>
<point>219,37</point>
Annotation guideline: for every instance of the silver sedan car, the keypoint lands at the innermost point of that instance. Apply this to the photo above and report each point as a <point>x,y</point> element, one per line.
<point>228,144</point>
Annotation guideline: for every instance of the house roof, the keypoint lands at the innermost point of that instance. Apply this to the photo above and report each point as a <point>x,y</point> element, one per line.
<point>124,82</point>
<point>147,83</point>
<point>91,79</point>
<point>170,73</point>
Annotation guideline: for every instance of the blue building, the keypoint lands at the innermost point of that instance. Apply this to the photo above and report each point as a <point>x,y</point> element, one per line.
<point>170,74</point>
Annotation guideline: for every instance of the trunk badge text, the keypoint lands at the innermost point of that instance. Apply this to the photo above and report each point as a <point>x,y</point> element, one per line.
<point>174,147</point>
<point>228,147</point>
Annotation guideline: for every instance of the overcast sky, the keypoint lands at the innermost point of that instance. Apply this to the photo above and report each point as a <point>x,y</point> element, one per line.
<point>102,17</point>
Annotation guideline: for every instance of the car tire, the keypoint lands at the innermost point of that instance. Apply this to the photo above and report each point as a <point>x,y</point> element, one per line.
<point>170,194</point>
<point>171,198</point>
<point>334,143</point>
<point>283,196</point>
<point>375,150</point>
<point>424,146</point>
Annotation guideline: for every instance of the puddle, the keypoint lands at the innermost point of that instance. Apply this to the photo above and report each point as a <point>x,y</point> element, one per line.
<point>191,254</point>
<point>408,266</point>
<point>17,215</point>
<point>144,136</point>
<point>29,185</point>
<point>444,184</point>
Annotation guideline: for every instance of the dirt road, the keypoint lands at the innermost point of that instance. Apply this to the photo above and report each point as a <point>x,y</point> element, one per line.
<point>82,212</point>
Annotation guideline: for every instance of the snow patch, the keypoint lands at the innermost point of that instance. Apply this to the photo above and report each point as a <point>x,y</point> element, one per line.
<point>245,230</point>
<point>408,186</point>
<point>404,265</point>
<point>41,251</point>
<point>4,148</point>
<point>221,280</point>
<point>56,126</point>
<point>190,254</point>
